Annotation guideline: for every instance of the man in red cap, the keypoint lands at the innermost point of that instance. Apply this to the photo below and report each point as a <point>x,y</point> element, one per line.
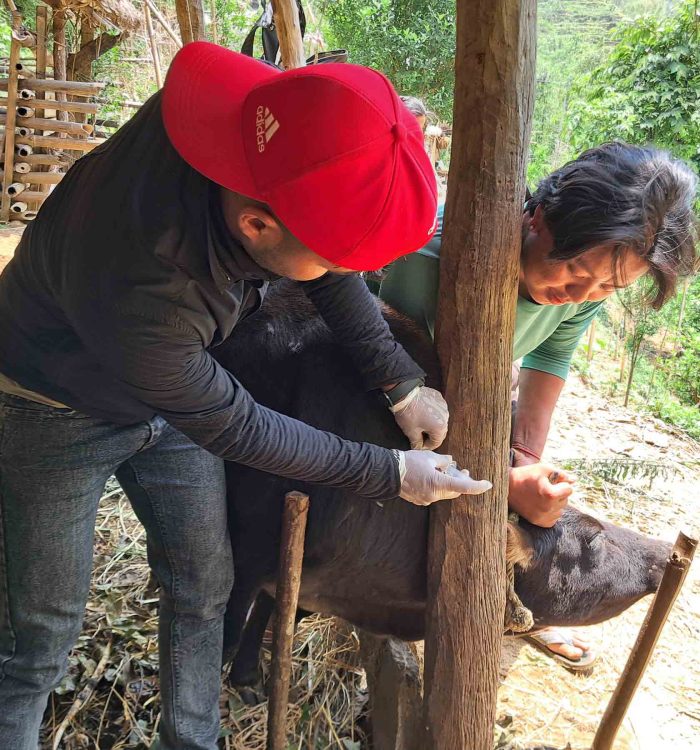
<point>148,253</point>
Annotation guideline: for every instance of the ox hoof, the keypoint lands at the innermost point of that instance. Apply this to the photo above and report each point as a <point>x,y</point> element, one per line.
<point>251,695</point>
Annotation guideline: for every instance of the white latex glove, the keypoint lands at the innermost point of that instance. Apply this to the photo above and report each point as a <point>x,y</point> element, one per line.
<point>427,477</point>
<point>423,418</point>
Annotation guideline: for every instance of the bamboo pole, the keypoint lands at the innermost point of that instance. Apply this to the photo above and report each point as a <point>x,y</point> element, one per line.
<point>286,16</point>
<point>10,124</point>
<point>41,123</point>
<point>49,105</point>
<point>33,196</point>
<point>41,19</point>
<point>47,160</point>
<point>68,144</point>
<point>296,508</point>
<point>76,88</point>
<point>60,56</point>
<point>154,47</point>
<point>16,188</point>
<point>163,22</point>
<point>40,178</point>
<point>643,649</point>
<point>591,341</point>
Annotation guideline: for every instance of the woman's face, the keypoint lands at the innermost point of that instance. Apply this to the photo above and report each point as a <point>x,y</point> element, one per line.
<point>590,277</point>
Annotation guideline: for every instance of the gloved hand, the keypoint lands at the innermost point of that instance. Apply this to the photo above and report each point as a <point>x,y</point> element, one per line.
<point>427,477</point>
<point>423,418</point>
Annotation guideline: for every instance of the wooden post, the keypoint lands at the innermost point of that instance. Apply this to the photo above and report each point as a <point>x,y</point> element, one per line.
<point>10,120</point>
<point>286,15</point>
<point>190,18</point>
<point>60,55</point>
<point>154,47</point>
<point>296,508</point>
<point>480,253</point>
<point>643,649</point>
<point>163,22</point>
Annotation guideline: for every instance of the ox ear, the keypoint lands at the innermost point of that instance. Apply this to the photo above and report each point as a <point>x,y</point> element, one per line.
<point>519,546</point>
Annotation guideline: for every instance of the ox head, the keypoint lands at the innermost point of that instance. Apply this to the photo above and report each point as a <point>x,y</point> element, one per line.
<point>582,570</point>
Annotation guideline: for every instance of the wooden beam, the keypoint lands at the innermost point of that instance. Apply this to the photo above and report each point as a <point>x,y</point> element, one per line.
<point>68,144</point>
<point>49,105</point>
<point>286,15</point>
<point>493,103</point>
<point>76,88</point>
<point>190,19</point>
<point>154,47</point>
<point>643,649</point>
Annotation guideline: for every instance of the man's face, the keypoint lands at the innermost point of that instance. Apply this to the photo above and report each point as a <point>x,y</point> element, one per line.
<point>590,277</point>
<point>270,244</point>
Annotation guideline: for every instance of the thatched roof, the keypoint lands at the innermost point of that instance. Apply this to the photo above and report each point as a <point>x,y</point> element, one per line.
<point>121,15</point>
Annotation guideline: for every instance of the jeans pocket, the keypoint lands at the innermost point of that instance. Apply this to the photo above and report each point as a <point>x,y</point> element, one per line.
<point>25,409</point>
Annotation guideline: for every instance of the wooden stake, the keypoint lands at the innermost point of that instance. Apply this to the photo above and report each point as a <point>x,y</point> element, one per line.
<point>591,340</point>
<point>10,124</point>
<point>643,649</point>
<point>296,508</point>
<point>190,19</point>
<point>286,16</point>
<point>153,46</point>
<point>493,102</point>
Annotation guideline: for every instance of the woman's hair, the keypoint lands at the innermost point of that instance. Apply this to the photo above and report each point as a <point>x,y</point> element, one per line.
<point>633,198</point>
<point>416,106</point>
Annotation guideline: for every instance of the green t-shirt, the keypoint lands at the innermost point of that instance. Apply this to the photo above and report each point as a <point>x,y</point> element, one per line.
<point>545,335</point>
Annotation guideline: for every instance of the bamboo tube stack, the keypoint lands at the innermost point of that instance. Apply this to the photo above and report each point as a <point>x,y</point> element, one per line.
<point>44,123</point>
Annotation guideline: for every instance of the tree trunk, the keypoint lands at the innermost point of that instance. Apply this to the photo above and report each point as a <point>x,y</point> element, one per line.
<point>494,93</point>
<point>190,17</point>
<point>286,16</point>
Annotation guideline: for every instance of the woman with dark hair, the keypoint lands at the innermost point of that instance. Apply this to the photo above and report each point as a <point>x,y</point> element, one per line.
<point>613,215</point>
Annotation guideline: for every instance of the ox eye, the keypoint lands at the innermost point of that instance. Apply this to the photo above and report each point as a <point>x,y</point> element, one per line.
<point>594,540</point>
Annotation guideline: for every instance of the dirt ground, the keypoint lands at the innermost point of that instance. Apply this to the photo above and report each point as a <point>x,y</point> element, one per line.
<point>540,704</point>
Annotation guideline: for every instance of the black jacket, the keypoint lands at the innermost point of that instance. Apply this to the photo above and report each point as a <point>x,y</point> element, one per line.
<point>125,280</point>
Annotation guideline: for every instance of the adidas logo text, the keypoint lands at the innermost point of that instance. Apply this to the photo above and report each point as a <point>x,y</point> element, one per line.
<point>265,127</point>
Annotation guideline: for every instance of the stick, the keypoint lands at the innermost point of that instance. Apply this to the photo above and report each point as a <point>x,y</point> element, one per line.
<point>84,695</point>
<point>68,144</point>
<point>34,196</point>
<point>296,508</point>
<point>10,124</point>
<point>77,88</point>
<point>153,46</point>
<point>161,20</point>
<point>60,56</point>
<point>674,575</point>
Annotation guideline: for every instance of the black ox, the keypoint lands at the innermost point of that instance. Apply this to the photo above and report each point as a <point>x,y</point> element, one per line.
<point>366,562</point>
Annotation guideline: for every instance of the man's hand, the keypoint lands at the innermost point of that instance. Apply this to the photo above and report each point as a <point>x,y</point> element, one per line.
<point>427,477</point>
<point>539,492</point>
<point>423,418</point>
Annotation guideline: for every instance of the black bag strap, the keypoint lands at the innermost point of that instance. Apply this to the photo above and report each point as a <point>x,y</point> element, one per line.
<point>270,41</point>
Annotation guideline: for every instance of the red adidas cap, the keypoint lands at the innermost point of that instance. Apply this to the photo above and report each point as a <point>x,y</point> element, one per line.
<point>330,148</point>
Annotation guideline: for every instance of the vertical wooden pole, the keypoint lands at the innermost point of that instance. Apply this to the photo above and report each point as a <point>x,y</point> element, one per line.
<point>41,26</point>
<point>10,119</point>
<point>286,15</point>
<point>296,508</point>
<point>60,55</point>
<point>494,92</point>
<point>190,18</point>
<point>643,649</point>
<point>154,47</point>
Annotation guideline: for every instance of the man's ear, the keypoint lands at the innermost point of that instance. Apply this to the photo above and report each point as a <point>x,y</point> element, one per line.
<point>259,226</point>
<point>537,222</point>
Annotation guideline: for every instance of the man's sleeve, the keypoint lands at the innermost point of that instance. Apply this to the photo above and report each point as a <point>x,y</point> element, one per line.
<point>554,354</point>
<point>167,368</point>
<point>352,313</point>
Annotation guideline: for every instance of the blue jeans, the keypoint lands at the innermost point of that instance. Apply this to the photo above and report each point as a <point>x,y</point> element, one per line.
<point>54,464</point>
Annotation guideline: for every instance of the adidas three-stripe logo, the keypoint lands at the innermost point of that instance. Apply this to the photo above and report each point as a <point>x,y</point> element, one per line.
<point>266,125</point>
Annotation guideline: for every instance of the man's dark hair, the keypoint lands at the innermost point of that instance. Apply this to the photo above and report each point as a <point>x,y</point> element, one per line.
<point>631,198</point>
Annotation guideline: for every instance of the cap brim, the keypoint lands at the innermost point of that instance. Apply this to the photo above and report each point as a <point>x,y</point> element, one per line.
<point>202,101</point>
